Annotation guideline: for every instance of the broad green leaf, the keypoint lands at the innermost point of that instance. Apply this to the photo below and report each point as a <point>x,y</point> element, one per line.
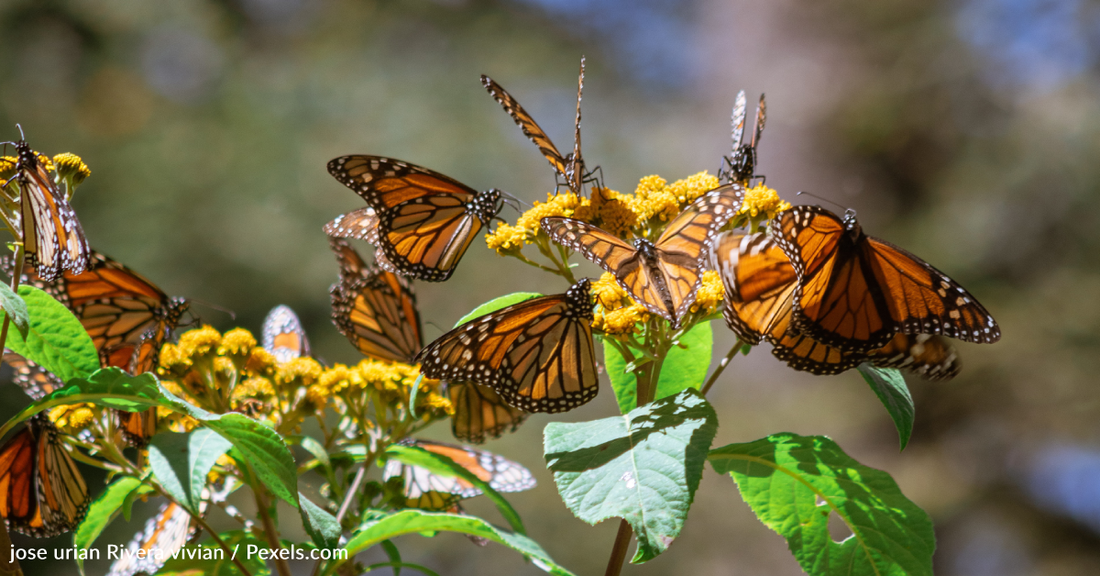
<point>204,447</point>
<point>496,304</point>
<point>209,559</point>
<point>265,450</point>
<point>413,521</point>
<point>102,511</point>
<point>321,526</point>
<point>108,387</point>
<point>168,459</point>
<point>14,306</point>
<point>444,466</point>
<point>55,339</point>
<point>889,386</point>
<point>792,483</point>
<point>643,466</point>
<point>684,367</point>
<point>128,502</point>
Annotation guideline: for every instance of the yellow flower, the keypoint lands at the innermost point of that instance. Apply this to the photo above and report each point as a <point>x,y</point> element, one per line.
<point>173,360</point>
<point>7,167</point>
<point>298,372</point>
<point>622,320</point>
<point>710,294</point>
<point>316,398</point>
<point>72,418</point>
<point>763,200</point>
<point>691,188</point>
<point>337,378</point>
<point>652,199</point>
<point>71,167</point>
<point>510,239</point>
<point>609,210</point>
<point>200,342</point>
<point>237,342</point>
<point>607,291</point>
<point>254,387</point>
<point>45,161</point>
<point>260,362</point>
<point>435,405</point>
<point>506,239</point>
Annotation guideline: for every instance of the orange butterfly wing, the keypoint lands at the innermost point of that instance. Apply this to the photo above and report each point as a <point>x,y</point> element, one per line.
<point>283,335</point>
<point>480,413</point>
<point>42,493</point>
<point>537,354</point>
<point>526,123</point>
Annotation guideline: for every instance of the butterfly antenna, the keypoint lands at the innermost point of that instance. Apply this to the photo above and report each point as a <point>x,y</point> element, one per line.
<point>513,201</point>
<point>232,314</point>
<point>21,135</point>
<point>844,208</point>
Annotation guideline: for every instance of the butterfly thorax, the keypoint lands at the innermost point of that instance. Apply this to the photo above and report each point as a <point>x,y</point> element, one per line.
<point>743,164</point>
<point>579,296</point>
<point>486,205</point>
<point>855,231</point>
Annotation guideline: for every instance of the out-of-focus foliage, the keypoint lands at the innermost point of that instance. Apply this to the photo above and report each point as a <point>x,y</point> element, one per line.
<point>975,123</point>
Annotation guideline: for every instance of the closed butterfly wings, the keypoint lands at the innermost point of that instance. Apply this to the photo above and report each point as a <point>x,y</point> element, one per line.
<point>283,335</point>
<point>427,490</point>
<point>481,413</point>
<point>537,354</point>
<point>855,292</point>
<point>53,239</point>
<point>740,165</point>
<point>375,309</point>
<point>760,285</point>
<point>163,535</point>
<point>662,276</point>
<point>570,167</point>
<point>421,221</point>
<point>42,493</point>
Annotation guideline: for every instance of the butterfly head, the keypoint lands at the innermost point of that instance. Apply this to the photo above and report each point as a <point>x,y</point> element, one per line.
<point>486,205</point>
<point>579,296</point>
<point>850,223</point>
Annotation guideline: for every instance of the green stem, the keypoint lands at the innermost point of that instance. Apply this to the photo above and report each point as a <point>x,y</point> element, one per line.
<point>721,366</point>
<point>618,551</point>
<point>270,532</point>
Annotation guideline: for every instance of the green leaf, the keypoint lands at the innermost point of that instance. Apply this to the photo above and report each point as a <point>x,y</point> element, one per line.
<point>168,461</point>
<point>265,450</point>
<point>108,387</point>
<point>102,511</point>
<point>444,466</point>
<point>792,483</point>
<point>204,447</point>
<point>209,559</point>
<point>414,521</point>
<point>889,386</point>
<point>394,555</point>
<point>684,367</point>
<point>321,526</point>
<point>496,304</point>
<point>15,307</point>
<point>643,466</point>
<point>55,339</point>
<point>316,450</point>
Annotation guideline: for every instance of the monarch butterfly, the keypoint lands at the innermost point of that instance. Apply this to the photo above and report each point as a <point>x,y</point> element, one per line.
<point>164,534</point>
<point>42,493</point>
<point>53,239</point>
<point>374,309</point>
<point>481,413</point>
<point>283,335</point>
<point>662,276</point>
<point>537,354</point>
<point>760,284</point>
<point>128,318</point>
<point>855,291</point>
<point>570,167</point>
<point>429,491</point>
<point>420,220</point>
<point>740,165</point>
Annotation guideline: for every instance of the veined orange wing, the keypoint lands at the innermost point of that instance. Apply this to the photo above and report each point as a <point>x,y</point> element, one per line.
<point>53,239</point>
<point>421,220</point>
<point>662,276</point>
<point>164,534</point>
<point>42,493</point>
<point>427,490</point>
<point>374,309</point>
<point>283,335</point>
<point>856,291</point>
<point>481,413</point>
<point>537,354</point>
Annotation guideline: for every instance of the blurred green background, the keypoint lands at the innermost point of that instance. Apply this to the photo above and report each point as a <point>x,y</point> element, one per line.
<point>967,131</point>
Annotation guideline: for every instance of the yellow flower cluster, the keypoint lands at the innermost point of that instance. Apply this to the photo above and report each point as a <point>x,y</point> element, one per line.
<point>72,418</point>
<point>616,313</point>
<point>656,198</point>
<point>609,210</point>
<point>7,168</point>
<point>761,200</point>
<point>710,294</point>
<point>508,239</point>
<point>71,167</point>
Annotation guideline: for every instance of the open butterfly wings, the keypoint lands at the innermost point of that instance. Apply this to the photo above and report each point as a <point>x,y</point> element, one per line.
<point>480,413</point>
<point>760,285</point>
<point>570,167</point>
<point>422,221</point>
<point>855,292</point>
<point>537,354</point>
<point>664,276</point>
<point>283,335</point>
<point>375,309</point>
<point>53,239</point>
<point>427,490</point>
<point>42,493</point>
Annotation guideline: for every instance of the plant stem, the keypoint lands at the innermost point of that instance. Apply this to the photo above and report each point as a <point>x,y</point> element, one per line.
<point>618,552</point>
<point>352,489</point>
<point>269,527</point>
<point>721,366</point>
